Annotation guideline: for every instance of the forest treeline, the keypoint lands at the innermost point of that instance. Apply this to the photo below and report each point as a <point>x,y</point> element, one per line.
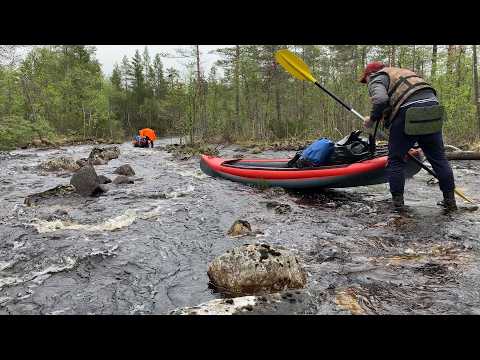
<point>61,91</point>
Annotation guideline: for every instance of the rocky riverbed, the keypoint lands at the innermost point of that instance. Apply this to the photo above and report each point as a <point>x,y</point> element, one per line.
<point>145,247</point>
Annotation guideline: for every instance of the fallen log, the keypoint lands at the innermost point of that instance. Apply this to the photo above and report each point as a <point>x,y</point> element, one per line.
<point>450,148</point>
<point>463,155</point>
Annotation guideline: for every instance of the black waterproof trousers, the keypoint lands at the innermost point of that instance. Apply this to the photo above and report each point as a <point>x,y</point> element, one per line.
<point>432,146</point>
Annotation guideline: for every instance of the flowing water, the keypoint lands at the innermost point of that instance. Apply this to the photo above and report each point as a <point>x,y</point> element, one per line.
<point>144,248</point>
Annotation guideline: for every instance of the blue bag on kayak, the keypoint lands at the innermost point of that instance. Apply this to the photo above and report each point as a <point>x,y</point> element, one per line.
<point>318,153</point>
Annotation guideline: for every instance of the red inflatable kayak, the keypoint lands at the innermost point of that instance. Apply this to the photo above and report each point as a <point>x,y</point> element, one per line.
<point>275,172</point>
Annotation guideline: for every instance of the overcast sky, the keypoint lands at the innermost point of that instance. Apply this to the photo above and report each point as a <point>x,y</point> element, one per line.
<point>107,55</point>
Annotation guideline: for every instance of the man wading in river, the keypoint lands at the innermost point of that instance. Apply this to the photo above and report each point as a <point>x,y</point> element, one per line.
<point>411,110</point>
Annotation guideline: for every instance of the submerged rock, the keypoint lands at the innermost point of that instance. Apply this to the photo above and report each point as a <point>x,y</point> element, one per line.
<point>59,214</point>
<point>255,269</point>
<point>106,153</point>
<point>126,170</point>
<point>239,228</point>
<point>279,208</point>
<point>60,190</point>
<point>86,182</point>
<point>60,163</point>
<point>122,179</point>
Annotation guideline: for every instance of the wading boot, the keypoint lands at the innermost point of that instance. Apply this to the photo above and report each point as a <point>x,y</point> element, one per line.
<point>398,203</point>
<point>448,202</point>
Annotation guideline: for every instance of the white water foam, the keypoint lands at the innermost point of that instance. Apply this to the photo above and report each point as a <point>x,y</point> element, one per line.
<point>118,222</point>
<point>39,276</point>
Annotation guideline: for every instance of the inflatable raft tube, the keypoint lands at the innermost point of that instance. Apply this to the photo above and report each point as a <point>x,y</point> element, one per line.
<point>275,172</point>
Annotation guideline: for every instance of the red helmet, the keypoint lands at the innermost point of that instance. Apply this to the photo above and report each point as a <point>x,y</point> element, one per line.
<point>372,67</point>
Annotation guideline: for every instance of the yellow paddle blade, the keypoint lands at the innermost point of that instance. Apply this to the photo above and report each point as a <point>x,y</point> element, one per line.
<point>294,65</point>
<point>463,196</point>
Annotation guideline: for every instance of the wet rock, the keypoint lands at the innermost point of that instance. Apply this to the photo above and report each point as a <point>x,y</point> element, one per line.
<point>59,214</point>
<point>60,163</point>
<point>218,307</point>
<point>122,179</point>
<point>103,188</point>
<point>256,268</point>
<point>279,208</point>
<point>348,299</point>
<point>468,207</point>
<point>57,191</point>
<point>4,155</point>
<point>103,179</point>
<point>240,228</point>
<point>86,182</point>
<point>106,153</point>
<point>82,162</point>
<point>37,142</point>
<point>99,161</point>
<point>126,170</point>
<point>288,302</point>
<point>432,181</point>
<point>432,269</point>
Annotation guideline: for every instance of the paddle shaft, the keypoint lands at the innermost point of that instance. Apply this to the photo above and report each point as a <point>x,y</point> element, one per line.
<point>349,108</point>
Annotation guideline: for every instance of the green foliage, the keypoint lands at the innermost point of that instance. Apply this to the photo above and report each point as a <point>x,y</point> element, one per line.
<point>17,132</point>
<point>246,95</point>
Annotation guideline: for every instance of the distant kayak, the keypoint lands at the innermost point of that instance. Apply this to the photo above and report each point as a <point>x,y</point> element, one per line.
<point>275,172</point>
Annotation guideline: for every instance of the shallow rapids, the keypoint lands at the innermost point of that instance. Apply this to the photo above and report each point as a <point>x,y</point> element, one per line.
<point>143,248</point>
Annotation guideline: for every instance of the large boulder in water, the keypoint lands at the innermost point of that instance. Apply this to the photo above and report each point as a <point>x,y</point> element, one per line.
<point>106,153</point>
<point>256,269</point>
<point>126,170</point>
<point>86,182</point>
<point>60,163</point>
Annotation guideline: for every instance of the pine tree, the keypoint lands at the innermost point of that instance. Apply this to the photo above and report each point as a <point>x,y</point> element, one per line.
<point>116,78</point>
<point>148,71</point>
<point>157,78</point>
<point>138,79</point>
<point>125,71</point>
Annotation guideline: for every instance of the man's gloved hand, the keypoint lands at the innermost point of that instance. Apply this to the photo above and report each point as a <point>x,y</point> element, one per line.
<point>367,123</point>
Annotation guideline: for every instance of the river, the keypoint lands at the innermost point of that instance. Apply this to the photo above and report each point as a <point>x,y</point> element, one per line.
<point>144,248</point>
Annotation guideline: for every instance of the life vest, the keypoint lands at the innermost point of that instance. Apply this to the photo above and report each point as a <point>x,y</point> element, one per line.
<point>403,83</point>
